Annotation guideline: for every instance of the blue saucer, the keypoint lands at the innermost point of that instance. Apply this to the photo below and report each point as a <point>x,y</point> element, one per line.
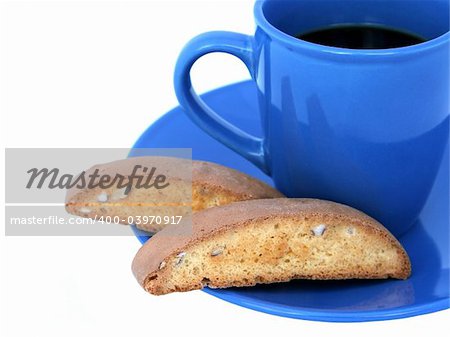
<point>427,244</point>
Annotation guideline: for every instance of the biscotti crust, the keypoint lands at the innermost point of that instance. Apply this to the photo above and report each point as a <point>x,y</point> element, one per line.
<point>162,249</point>
<point>195,185</point>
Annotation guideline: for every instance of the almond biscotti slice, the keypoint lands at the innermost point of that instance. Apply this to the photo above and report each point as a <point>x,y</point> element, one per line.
<point>265,241</point>
<point>193,186</point>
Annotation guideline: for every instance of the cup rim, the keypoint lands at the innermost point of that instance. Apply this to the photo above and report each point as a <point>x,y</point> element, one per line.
<point>295,43</point>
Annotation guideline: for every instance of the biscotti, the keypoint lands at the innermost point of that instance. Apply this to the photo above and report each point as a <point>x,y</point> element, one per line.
<point>265,241</point>
<point>194,186</point>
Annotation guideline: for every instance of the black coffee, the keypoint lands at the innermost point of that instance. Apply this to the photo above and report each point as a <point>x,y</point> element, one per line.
<point>361,36</point>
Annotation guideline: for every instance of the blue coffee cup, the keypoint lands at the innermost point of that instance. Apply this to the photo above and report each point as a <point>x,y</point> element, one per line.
<point>363,127</point>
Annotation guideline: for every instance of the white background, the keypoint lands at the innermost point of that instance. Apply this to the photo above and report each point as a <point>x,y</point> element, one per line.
<point>96,74</point>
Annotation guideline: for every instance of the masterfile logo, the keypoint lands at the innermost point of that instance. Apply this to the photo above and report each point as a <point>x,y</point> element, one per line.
<point>38,182</point>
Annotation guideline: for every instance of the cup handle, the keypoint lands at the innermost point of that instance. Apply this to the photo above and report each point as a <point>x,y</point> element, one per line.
<point>241,46</point>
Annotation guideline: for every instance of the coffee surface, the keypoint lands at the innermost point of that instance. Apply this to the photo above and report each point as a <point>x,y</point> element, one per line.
<point>361,36</point>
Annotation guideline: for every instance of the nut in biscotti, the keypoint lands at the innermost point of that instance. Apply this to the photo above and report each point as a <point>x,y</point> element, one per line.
<point>190,186</point>
<point>265,241</point>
